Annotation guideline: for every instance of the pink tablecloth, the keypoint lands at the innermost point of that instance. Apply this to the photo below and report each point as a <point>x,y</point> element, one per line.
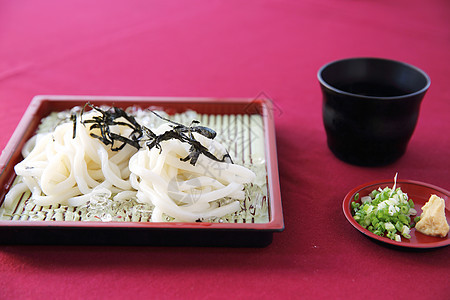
<point>235,49</point>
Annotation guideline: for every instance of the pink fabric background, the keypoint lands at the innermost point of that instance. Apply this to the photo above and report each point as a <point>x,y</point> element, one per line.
<point>235,49</point>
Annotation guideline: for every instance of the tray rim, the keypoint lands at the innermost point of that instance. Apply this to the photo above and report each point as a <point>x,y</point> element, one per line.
<point>275,224</point>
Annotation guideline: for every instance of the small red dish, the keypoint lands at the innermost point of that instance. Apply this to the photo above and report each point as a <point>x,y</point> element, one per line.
<point>419,192</point>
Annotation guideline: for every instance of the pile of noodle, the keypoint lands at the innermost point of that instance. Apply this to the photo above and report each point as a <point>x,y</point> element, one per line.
<point>70,169</point>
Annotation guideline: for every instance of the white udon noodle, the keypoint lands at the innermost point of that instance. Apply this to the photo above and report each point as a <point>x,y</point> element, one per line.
<point>61,169</point>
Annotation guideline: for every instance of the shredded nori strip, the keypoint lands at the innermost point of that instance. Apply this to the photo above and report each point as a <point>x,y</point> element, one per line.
<point>140,133</point>
<point>109,118</point>
<point>185,135</point>
<point>73,117</point>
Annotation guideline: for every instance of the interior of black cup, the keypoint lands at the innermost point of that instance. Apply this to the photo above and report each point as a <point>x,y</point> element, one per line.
<point>373,77</point>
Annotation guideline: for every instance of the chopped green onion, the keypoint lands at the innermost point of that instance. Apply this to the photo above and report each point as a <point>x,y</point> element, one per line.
<point>399,226</point>
<point>404,209</point>
<point>389,226</point>
<point>385,212</point>
<point>404,219</point>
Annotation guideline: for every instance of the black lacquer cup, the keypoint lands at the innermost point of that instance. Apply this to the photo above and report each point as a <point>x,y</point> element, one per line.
<point>370,108</point>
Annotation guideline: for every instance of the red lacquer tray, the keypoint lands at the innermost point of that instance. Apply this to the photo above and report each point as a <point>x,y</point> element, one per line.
<point>143,233</point>
<point>420,193</point>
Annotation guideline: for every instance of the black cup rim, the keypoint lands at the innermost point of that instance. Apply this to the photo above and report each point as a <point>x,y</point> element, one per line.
<point>338,91</point>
